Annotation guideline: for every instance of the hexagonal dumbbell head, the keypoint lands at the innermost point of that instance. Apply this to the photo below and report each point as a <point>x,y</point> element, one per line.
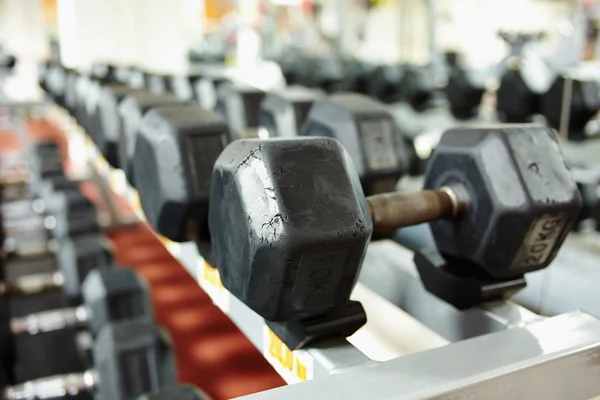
<point>158,83</point>
<point>131,358</point>
<point>285,244</point>
<point>239,105</point>
<point>183,86</point>
<point>174,155</point>
<point>132,109</point>
<point>522,198</point>
<point>110,123</point>
<point>206,87</point>
<point>464,91</point>
<point>115,295</point>
<point>282,112</point>
<point>71,91</point>
<point>357,76</point>
<point>588,183</point>
<point>521,88</point>
<point>368,131</point>
<point>385,83</point>
<point>581,89</point>
<point>79,255</point>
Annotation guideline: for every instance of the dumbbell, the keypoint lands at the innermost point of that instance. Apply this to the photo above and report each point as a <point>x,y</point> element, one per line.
<point>357,76</point>
<point>500,201</point>
<point>239,105</point>
<point>325,73</point>
<point>108,296</point>
<point>519,94</point>
<point>580,89</point>
<point>407,83</point>
<point>183,86</point>
<point>174,155</point>
<point>282,112</point>
<point>368,130</point>
<point>207,86</point>
<point>464,90</point>
<point>109,129</point>
<point>158,83</point>
<point>131,358</point>
<point>55,83</point>
<point>132,109</point>
<point>588,182</point>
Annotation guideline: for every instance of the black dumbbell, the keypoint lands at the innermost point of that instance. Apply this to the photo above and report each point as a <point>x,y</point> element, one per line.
<point>579,91</point>
<point>109,130</point>
<point>520,91</point>
<point>74,257</point>
<point>132,109</point>
<point>158,83</point>
<point>368,130</point>
<point>464,90</point>
<point>357,76</point>
<point>55,82</point>
<point>108,297</point>
<point>501,199</point>
<point>588,183</point>
<point>206,88</point>
<point>239,105</point>
<point>183,86</point>
<point>282,112</point>
<point>174,155</point>
<point>325,73</point>
<point>131,358</point>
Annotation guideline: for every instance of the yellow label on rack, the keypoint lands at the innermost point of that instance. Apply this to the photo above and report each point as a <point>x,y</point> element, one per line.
<point>173,247</point>
<point>211,275</point>
<point>293,366</point>
<point>133,197</point>
<point>210,281</point>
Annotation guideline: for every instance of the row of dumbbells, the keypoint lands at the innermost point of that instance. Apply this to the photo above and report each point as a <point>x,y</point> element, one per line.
<point>521,94</point>
<point>73,324</point>
<point>118,105</point>
<point>287,221</point>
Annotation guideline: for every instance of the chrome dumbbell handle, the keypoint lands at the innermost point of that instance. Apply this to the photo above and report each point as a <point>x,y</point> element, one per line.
<point>34,283</point>
<point>53,387</point>
<point>51,320</point>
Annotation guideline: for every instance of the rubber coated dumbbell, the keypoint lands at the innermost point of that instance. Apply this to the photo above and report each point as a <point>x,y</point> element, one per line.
<point>174,155</point>
<point>110,127</point>
<point>131,358</point>
<point>283,111</point>
<point>369,133</point>
<point>239,105</point>
<point>132,109</point>
<point>108,297</point>
<point>502,199</point>
<point>581,88</point>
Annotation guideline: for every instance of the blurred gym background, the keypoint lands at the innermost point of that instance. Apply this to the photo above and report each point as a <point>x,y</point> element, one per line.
<point>168,36</point>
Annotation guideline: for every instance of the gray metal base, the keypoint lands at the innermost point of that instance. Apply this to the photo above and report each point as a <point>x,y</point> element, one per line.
<point>554,359</point>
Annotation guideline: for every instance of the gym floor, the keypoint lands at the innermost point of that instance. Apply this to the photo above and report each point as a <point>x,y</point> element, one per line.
<point>211,352</point>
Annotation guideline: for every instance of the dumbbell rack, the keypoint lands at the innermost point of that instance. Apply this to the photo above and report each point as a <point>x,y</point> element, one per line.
<point>500,365</point>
